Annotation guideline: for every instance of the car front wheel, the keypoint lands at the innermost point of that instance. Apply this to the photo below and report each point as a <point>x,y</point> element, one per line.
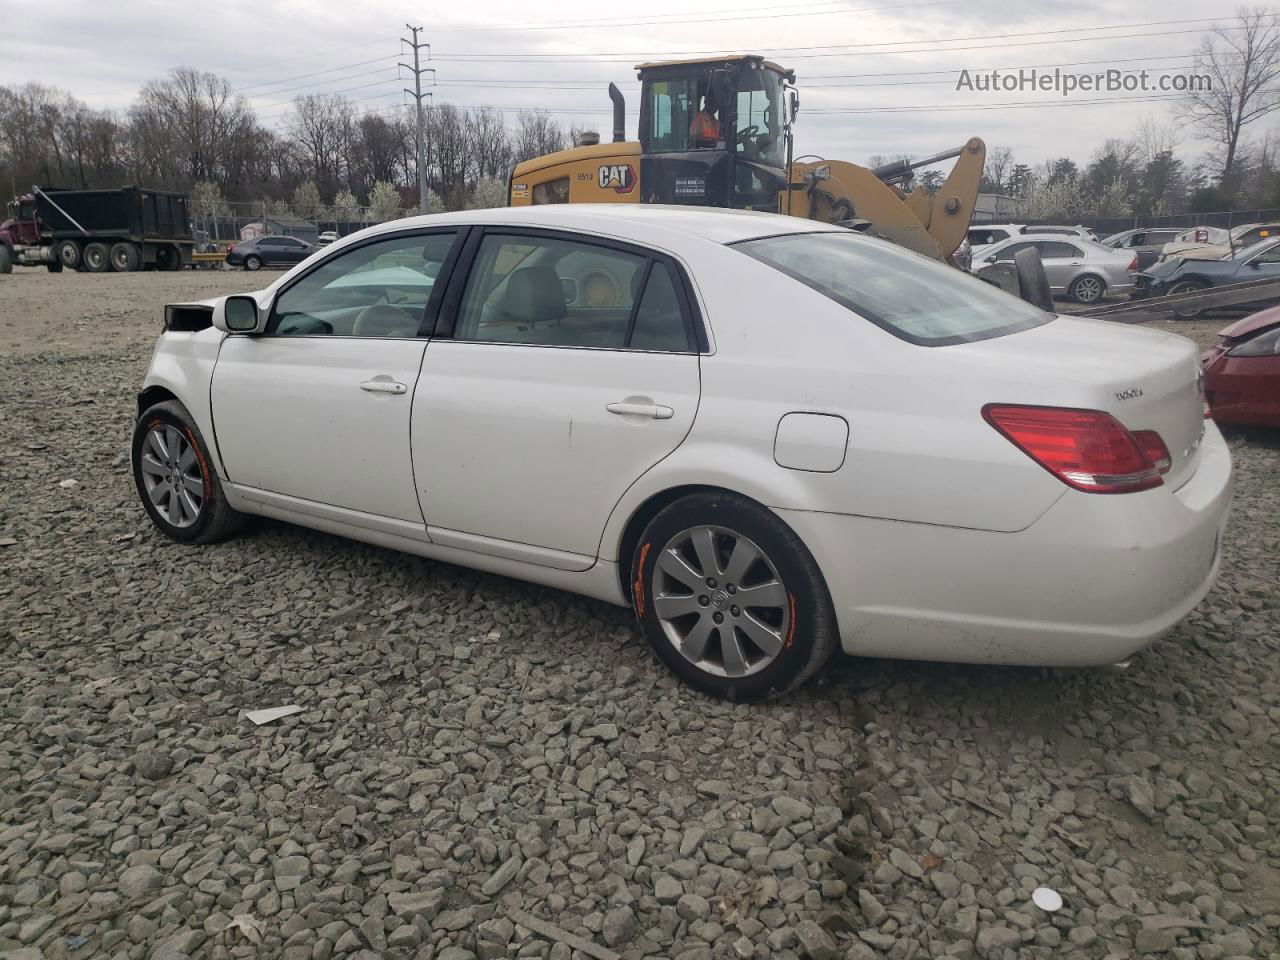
<point>731,599</point>
<point>177,484</point>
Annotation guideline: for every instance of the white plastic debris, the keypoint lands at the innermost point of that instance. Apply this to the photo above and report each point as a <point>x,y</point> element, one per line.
<point>1046,899</point>
<point>68,484</point>
<point>272,713</point>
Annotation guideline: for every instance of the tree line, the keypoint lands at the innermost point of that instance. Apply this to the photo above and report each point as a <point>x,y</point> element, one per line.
<point>190,131</point>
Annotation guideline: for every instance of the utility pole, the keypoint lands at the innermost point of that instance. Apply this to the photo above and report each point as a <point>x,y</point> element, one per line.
<point>417,94</point>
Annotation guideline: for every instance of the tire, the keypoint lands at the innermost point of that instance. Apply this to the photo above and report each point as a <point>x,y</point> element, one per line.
<point>68,253</point>
<point>168,258</point>
<point>252,262</point>
<point>1033,282</point>
<point>54,267</point>
<point>795,612</point>
<point>1087,288</point>
<point>1187,286</point>
<point>97,258</point>
<point>6,260</point>
<point>125,257</point>
<point>176,482</point>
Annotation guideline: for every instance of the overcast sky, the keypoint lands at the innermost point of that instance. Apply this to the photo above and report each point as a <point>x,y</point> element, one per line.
<point>872,56</point>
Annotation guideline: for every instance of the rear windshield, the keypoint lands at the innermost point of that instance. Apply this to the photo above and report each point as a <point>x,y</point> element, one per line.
<point>916,299</point>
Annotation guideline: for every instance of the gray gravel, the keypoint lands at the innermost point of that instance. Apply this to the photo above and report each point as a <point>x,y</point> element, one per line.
<point>472,747</point>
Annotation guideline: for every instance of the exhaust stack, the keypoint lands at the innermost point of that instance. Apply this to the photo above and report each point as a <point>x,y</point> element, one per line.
<point>619,113</point>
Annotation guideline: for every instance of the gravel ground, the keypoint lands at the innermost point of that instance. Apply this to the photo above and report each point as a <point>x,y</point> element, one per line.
<point>472,750</point>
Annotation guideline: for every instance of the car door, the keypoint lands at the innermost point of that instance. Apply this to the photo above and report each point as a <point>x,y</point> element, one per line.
<point>1263,266</point>
<point>1061,262</point>
<point>316,409</point>
<point>563,368</point>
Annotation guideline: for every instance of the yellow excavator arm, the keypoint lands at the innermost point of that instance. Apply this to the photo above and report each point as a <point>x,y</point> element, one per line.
<point>933,224</point>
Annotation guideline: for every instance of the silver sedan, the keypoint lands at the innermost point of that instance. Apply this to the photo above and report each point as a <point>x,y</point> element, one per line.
<point>1082,270</point>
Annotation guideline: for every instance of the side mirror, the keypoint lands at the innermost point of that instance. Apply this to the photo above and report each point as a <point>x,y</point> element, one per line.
<point>1255,265</point>
<point>239,314</point>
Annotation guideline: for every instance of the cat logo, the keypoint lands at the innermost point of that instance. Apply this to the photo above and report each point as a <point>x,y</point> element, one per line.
<point>620,177</point>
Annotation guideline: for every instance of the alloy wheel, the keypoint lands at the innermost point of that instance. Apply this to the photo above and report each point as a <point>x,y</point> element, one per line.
<point>1088,289</point>
<point>721,601</point>
<point>171,473</point>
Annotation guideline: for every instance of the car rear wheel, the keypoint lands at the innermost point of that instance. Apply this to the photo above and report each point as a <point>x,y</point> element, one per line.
<point>730,599</point>
<point>177,484</point>
<point>252,262</point>
<point>1087,289</point>
<point>97,258</point>
<point>1187,286</point>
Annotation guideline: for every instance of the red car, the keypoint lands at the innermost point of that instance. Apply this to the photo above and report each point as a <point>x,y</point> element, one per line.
<point>1242,373</point>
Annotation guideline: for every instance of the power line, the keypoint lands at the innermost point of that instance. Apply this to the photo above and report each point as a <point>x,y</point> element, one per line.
<point>857,49</point>
<point>304,76</point>
<point>320,83</point>
<point>362,86</point>
<point>681,19</point>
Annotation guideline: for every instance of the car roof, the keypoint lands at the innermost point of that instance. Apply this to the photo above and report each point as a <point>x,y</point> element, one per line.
<point>625,220</point>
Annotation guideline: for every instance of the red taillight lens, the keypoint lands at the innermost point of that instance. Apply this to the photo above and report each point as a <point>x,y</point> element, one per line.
<point>1133,264</point>
<point>230,247</point>
<point>1153,448</point>
<point>1089,450</point>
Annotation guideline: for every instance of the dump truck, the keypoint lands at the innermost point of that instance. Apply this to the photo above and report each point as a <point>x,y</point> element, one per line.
<point>126,229</point>
<point>718,132</point>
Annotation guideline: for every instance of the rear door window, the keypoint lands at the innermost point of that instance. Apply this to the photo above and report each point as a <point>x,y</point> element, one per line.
<point>914,298</point>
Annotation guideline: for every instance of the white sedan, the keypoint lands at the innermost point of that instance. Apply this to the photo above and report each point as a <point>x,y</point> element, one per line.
<point>765,435</point>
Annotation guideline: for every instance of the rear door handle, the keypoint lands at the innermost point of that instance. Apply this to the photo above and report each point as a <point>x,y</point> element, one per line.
<point>384,385</point>
<point>654,411</point>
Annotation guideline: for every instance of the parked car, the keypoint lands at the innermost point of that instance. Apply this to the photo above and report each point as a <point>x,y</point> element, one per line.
<point>766,435</point>
<point>982,235</point>
<point>269,251</point>
<point>1082,270</point>
<point>1242,373</point>
<point>1225,242</point>
<point>1180,275</point>
<point>1145,243</point>
<point>327,237</point>
<point>1191,239</point>
<point>1084,233</point>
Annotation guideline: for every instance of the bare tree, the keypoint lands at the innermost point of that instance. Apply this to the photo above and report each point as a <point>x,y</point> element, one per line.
<point>1243,66</point>
<point>995,173</point>
<point>537,134</point>
<point>1155,137</point>
<point>324,127</point>
<point>491,148</point>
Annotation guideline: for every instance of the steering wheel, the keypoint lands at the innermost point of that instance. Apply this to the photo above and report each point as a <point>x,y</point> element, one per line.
<point>745,132</point>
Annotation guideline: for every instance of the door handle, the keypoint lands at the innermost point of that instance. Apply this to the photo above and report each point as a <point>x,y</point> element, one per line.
<point>654,411</point>
<point>384,385</point>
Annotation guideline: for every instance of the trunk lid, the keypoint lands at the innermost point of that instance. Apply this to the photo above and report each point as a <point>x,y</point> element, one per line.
<point>1146,379</point>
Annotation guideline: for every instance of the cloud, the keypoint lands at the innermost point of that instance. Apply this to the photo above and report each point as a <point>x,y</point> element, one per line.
<point>103,56</point>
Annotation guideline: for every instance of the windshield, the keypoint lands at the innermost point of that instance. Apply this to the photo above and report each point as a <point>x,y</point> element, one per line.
<point>1241,253</point>
<point>912,297</point>
<point>759,110</point>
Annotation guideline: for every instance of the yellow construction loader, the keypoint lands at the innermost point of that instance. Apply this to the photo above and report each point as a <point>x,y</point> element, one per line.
<point>718,132</point>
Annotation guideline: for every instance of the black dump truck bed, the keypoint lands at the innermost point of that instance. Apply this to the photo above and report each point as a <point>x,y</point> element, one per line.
<point>130,212</point>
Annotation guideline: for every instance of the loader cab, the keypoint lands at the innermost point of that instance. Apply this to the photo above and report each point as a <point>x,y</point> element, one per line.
<point>715,132</point>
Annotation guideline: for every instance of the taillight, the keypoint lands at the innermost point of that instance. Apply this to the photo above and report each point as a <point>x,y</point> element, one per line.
<point>230,247</point>
<point>1153,448</point>
<point>1133,264</point>
<point>1089,450</point>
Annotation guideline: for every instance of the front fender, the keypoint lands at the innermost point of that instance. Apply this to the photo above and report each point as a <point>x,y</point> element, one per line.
<point>183,366</point>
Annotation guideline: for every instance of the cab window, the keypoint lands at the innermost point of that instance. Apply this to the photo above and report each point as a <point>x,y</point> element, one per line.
<point>553,191</point>
<point>379,289</point>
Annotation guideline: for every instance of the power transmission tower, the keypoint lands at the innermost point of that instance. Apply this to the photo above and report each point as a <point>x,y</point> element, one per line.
<point>417,94</point>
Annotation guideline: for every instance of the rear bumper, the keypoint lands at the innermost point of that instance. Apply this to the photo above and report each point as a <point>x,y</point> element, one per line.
<point>1092,581</point>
